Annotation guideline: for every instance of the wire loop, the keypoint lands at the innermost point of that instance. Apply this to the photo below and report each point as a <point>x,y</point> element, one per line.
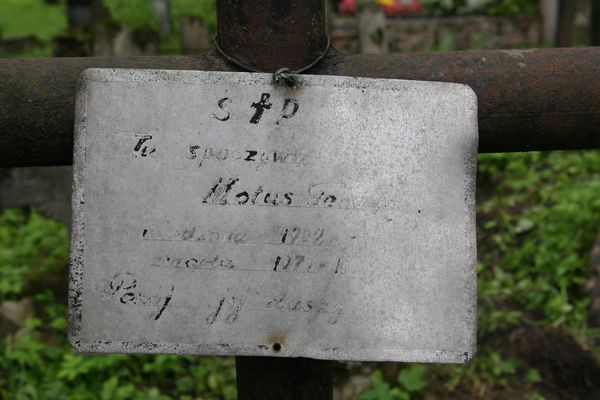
<point>282,75</point>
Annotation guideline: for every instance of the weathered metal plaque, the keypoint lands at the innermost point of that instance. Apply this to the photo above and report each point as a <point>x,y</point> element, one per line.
<point>215,213</point>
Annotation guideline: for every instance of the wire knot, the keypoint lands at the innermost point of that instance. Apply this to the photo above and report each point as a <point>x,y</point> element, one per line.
<point>283,76</point>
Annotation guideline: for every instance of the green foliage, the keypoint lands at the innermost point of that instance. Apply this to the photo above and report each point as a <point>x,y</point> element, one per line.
<point>536,225</point>
<point>491,7</point>
<point>443,7</point>
<point>133,13</point>
<point>40,362</point>
<point>513,7</point>
<point>383,391</point>
<point>45,21</point>
<point>21,18</point>
<point>140,13</point>
<point>31,249</point>
<point>206,9</point>
<point>413,378</point>
<point>485,374</point>
<point>539,224</point>
<point>42,370</point>
<point>31,17</point>
<point>533,376</point>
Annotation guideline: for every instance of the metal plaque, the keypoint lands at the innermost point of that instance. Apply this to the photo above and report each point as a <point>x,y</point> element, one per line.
<point>216,213</point>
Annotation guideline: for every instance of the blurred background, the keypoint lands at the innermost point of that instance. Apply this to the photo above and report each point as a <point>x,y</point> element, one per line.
<point>538,216</point>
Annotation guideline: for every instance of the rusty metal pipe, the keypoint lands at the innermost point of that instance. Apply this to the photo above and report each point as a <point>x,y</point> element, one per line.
<point>266,35</point>
<point>546,99</point>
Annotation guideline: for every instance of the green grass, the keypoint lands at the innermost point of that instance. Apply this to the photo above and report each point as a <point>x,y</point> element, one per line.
<point>20,18</point>
<point>139,13</point>
<point>32,249</point>
<point>31,17</point>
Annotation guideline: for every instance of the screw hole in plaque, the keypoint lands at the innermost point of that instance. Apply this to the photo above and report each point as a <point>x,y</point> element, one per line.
<point>276,347</point>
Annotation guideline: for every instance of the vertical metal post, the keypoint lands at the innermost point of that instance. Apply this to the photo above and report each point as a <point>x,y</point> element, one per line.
<point>266,378</point>
<point>566,20</point>
<point>266,35</point>
<point>595,24</point>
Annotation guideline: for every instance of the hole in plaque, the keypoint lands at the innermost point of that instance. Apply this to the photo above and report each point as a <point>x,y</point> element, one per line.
<point>276,347</point>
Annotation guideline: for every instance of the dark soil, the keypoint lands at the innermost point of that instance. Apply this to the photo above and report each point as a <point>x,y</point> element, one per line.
<point>568,370</point>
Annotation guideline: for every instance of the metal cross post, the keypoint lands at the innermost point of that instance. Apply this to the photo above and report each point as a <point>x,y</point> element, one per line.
<point>528,100</point>
<point>267,378</point>
<point>267,36</point>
